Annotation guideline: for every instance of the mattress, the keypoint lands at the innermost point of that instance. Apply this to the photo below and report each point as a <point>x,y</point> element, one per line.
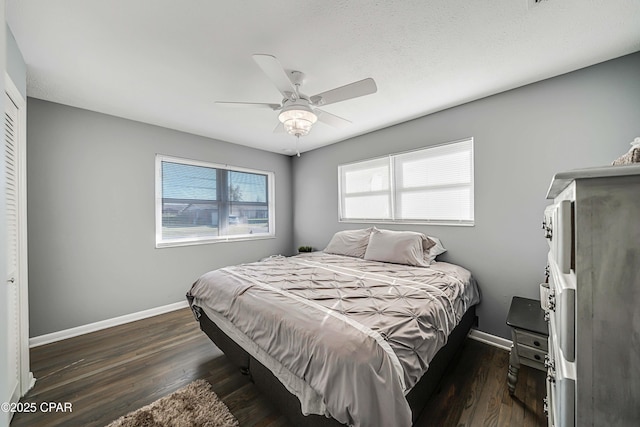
<point>348,337</point>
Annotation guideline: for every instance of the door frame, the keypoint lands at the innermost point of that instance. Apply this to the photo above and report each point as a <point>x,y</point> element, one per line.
<point>26,376</point>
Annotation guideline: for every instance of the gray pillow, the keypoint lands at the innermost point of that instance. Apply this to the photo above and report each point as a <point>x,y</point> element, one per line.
<point>349,242</point>
<point>437,249</point>
<point>399,247</point>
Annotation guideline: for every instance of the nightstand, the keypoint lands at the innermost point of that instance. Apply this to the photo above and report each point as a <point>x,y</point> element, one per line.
<point>529,332</point>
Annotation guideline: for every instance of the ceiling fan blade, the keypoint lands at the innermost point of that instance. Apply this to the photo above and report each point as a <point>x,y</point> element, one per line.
<point>272,68</point>
<point>342,93</point>
<point>250,104</point>
<point>331,119</point>
<point>279,128</point>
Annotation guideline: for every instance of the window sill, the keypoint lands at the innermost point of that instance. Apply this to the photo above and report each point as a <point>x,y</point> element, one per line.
<point>381,221</point>
<point>178,243</point>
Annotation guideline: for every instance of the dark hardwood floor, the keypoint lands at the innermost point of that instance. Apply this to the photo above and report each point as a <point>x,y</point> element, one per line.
<point>109,373</point>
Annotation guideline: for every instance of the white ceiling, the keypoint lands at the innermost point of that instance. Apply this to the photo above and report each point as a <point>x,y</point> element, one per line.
<point>165,62</point>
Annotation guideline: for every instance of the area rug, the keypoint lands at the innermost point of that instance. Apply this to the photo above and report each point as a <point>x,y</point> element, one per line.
<point>193,405</point>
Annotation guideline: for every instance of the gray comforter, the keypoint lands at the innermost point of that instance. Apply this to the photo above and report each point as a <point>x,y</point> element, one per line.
<point>351,334</point>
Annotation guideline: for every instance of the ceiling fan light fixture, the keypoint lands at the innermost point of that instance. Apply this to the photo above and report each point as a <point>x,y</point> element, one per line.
<point>297,119</point>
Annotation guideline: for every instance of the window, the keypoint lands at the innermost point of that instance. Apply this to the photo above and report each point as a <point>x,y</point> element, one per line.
<point>430,185</point>
<point>199,202</point>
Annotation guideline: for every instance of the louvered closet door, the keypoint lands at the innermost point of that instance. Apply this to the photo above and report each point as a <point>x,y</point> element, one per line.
<point>11,121</point>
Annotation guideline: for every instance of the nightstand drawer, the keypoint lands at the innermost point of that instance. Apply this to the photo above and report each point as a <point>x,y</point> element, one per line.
<point>534,354</point>
<point>531,340</point>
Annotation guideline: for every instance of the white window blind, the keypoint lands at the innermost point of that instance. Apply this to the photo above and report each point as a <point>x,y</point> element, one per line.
<point>430,185</point>
<point>198,202</point>
<point>366,189</point>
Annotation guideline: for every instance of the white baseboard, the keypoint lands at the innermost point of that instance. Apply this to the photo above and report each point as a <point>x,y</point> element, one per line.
<point>103,324</point>
<point>493,340</point>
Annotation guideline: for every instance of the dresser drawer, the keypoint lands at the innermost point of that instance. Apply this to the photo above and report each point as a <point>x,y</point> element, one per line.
<point>531,340</point>
<point>563,300</point>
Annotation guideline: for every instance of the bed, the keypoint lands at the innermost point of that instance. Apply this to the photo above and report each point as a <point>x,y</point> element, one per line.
<point>358,334</point>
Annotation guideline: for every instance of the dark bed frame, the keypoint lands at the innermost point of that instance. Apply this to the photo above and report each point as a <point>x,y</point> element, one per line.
<point>289,405</point>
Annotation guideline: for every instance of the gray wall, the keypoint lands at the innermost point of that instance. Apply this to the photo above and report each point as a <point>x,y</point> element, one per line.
<point>91,216</point>
<point>522,137</point>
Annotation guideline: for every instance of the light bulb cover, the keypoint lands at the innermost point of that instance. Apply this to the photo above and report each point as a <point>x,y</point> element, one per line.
<point>297,119</point>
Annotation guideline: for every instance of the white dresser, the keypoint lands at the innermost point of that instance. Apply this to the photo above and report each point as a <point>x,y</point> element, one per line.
<point>593,309</point>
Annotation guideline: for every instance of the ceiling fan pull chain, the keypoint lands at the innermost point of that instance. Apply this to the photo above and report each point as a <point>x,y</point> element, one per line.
<point>297,143</point>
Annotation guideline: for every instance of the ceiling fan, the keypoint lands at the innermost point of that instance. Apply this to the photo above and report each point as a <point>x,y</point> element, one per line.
<point>299,112</point>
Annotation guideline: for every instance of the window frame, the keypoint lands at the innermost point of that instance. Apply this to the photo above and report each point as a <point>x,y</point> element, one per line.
<point>202,240</point>
<point>395,192</point>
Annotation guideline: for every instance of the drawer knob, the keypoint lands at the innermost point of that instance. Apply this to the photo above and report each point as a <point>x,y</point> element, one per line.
<point>537,344</point>
<point>545,406</point>
<point>552,301</point>
<point>537,357</point>
<point>548,229</point>
<point>548,363</point>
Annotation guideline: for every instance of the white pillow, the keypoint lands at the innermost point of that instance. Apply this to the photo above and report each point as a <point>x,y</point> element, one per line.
<point>437,249</point>
<point>399,247</point>
<point>349,242</point>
